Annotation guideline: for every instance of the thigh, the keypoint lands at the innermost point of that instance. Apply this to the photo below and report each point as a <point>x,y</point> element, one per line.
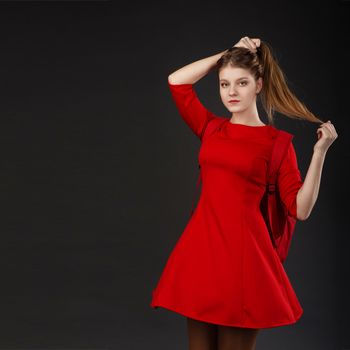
<point>236,338</point>
<point>201,335</point>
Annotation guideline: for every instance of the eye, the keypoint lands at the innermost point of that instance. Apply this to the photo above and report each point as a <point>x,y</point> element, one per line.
<point>222,84</point>
<point>244,82</point>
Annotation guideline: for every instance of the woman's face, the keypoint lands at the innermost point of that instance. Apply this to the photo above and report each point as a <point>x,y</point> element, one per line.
<point>238,84</point>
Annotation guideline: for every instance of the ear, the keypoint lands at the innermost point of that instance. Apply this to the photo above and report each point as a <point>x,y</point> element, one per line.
<point>259,84</point>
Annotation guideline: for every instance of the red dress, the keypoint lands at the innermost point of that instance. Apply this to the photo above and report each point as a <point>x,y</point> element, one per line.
<point>223,268</point>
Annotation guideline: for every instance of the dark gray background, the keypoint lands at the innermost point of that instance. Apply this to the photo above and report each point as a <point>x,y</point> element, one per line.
<point>98,170</point>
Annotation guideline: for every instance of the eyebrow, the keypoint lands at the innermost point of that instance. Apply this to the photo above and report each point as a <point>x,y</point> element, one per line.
<point>237,79</point>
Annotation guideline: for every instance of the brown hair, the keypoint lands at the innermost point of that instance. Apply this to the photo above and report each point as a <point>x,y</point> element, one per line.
<point>275,94</point>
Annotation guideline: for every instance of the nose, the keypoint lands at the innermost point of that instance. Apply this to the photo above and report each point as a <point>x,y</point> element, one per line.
<point>232,91</point>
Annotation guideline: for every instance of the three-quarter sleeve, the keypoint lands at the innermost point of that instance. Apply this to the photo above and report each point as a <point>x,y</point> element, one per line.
<point>289,181</point>
<point>190,107</point>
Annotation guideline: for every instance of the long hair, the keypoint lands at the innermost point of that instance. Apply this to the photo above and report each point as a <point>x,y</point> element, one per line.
<point>275,94</point>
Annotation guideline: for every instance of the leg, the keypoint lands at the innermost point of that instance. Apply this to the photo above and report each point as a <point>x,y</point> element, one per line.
<point>236,338</point>
<point>201,335</point>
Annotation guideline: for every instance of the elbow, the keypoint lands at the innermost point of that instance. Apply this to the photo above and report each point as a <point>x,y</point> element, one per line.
<point>170,79</point>
<point>302,216</point>
<point>173,80</point>
<point>302,212</point>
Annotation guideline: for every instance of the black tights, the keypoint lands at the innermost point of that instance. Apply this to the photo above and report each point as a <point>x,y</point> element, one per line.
<point>208,336</point>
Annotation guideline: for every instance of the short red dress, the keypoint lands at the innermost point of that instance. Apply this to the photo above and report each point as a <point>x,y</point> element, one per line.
<point>223,268</point>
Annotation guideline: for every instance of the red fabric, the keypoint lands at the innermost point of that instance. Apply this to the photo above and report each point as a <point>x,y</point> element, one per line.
<point>289,181</point>
<point>223,268</point>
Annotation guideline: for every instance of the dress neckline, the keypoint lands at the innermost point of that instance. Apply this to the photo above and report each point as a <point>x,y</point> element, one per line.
<point>247,126</point>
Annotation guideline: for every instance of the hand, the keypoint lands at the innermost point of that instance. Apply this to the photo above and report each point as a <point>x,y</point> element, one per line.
<point>326,134</point>
<point>250,44</point>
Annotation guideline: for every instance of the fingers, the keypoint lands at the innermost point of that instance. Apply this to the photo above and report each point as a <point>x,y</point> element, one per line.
<point>333,131</point>
<point>249,43</point>
<point>323,127</point>
<point>257,42</point>
<point>328,128</point>
<point>331,126</point>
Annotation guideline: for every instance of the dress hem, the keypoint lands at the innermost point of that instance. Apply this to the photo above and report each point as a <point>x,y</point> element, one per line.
<point>186,314</point>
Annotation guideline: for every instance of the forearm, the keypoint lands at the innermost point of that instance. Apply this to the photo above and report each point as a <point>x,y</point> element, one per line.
<point>308,193</point>
<point>194,71</point>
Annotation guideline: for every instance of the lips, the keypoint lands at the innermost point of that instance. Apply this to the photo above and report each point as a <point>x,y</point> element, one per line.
<point>231,101</point>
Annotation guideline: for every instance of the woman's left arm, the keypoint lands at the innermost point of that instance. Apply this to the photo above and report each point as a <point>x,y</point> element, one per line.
<point>308,193</point>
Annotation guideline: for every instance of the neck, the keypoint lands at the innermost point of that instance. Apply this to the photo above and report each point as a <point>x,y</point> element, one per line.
<point>248,117</point>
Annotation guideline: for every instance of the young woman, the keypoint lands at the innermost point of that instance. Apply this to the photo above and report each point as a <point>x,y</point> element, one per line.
<point>224,274</point>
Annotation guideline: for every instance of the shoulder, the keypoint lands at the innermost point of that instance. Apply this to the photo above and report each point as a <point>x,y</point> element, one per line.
<point>219,118</point>
<point>216,121</point>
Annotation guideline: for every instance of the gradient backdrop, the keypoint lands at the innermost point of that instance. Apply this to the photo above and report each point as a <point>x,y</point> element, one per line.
<point>98,170</point>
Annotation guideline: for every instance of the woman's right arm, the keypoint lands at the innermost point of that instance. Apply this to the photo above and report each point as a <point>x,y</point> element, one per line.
<point>194,71</point>
<point>180,83</point>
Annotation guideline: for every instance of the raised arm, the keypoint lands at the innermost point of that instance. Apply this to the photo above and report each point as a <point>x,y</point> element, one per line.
<point>308,193</point>
<point>194,71</point>
<point>180,83</point>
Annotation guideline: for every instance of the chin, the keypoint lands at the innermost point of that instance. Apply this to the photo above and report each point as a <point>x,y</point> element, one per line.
<point>234,108</point>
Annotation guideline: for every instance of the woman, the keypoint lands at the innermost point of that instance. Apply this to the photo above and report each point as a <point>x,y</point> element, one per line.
<point>224,274</point>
